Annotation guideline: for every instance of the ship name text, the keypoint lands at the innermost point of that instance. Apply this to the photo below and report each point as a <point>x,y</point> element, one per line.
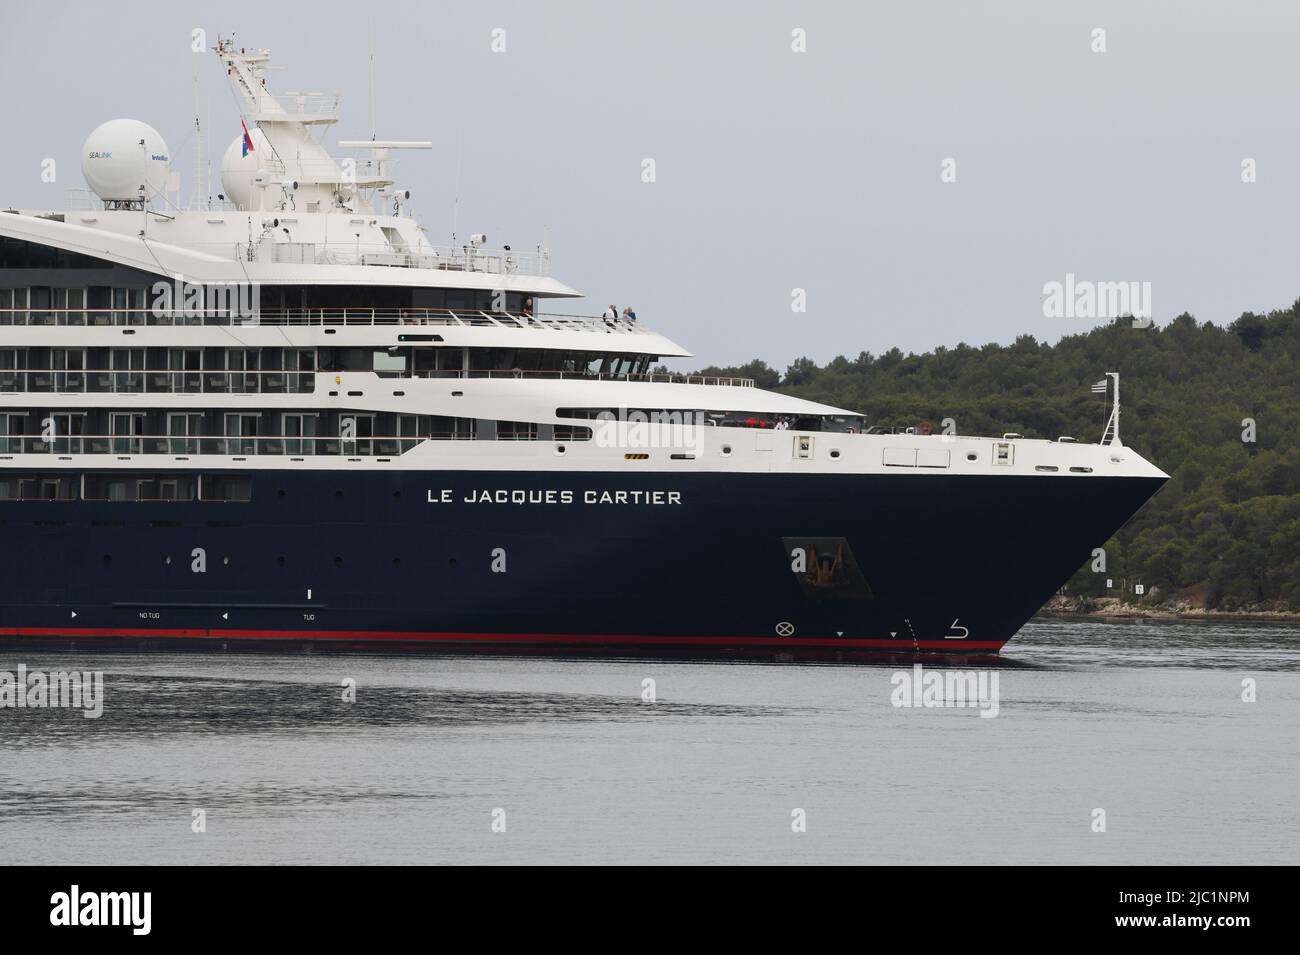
<point>552,496</point>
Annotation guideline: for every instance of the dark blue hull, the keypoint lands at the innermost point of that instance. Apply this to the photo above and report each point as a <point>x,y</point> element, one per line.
<point>913,563</point>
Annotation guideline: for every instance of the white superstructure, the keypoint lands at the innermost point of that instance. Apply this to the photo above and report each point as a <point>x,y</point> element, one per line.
<point>290,324</point>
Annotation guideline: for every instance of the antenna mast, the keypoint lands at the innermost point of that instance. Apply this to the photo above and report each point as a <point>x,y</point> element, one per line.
<point>372,82</point>
<point>196,198</point>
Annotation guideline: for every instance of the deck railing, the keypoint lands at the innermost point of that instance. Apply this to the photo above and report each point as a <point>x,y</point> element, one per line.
<point>334,317</point>
<point>135,381</point>
<point>223,381</point>
<point>443,258</point>
<point>334,446</point>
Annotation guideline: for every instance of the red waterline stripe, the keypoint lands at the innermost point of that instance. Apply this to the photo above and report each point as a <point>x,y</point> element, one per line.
<point>576,638</point>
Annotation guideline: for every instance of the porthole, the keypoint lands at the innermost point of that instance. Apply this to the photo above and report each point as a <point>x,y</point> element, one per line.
<point>972,456</point>
<point>835,453</point>
<point>560,449</point>
<point>726,451</point>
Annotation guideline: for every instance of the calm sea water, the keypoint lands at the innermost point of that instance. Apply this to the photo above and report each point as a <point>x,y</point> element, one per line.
<point>1143,720</point>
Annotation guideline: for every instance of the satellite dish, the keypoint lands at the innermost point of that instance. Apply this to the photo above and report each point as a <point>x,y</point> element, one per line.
<point>117,166</point>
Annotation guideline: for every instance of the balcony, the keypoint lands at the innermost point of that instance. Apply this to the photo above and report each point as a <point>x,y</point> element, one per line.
<point>115,381</point>
<point>40,381</point>
<point>437,317</point>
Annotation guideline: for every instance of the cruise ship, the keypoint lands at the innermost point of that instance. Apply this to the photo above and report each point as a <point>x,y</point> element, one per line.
<point>283,416</point>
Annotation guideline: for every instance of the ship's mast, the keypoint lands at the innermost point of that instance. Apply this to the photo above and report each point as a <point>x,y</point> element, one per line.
<point>299,173</point>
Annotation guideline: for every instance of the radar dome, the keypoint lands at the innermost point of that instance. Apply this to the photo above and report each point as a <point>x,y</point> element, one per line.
<point>116,165</point>
<point>239,170</point>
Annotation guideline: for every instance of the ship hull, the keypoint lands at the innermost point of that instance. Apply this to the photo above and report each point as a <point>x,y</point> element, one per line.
<point>697,565</point>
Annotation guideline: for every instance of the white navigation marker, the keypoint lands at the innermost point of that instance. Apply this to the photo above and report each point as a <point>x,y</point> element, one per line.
<point>225,615</point>
<point>839,633</point>
<point>309,593</point>
<point>893,633</point>
<point>74,615</point>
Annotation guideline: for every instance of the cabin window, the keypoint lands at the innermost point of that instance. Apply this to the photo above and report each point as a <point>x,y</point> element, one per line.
<point>183,432</point>
<point>408,430</point>
<point>127,429</point>
<point>38,487</point>
<point>226,487</point>
<point>241,433</point>
<point>516,431</point>
<point>356,432</point>
<point>299,433</point>
<point>390,364</point>
<point>68,429</point>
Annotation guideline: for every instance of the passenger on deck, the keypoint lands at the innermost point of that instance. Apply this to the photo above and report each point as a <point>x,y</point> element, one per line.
<point>629,316</point>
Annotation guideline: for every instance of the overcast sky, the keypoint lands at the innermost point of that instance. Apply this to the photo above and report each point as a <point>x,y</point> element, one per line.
<point>775,170</point>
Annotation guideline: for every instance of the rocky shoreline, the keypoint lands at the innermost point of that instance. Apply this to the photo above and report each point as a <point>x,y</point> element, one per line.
<point>1112,607</point>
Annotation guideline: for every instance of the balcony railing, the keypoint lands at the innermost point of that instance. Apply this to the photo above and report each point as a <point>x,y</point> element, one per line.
<point>224,382</point>
<point>334,317</point>
<point>117,381</point>
<point>216,382</point>
<point>442,258</point>
<point>377,446</point>
<point>660,378</point>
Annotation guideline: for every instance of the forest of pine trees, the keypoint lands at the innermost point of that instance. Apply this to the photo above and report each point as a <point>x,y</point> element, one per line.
<point>1218,408</point>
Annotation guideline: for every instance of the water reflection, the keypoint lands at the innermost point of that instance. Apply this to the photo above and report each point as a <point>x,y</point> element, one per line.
<point>1144,718</point>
